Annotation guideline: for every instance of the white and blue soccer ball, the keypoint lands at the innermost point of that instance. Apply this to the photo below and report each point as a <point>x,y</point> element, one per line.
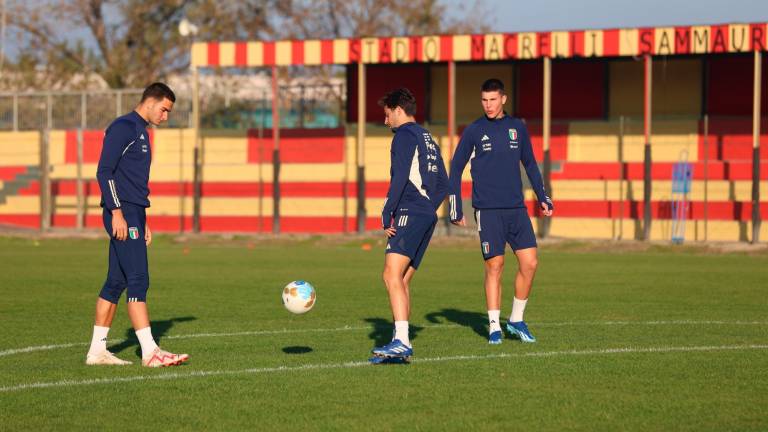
<point>299,296</point>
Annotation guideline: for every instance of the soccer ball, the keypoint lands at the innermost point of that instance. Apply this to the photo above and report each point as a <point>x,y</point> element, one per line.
<point>299,296</point>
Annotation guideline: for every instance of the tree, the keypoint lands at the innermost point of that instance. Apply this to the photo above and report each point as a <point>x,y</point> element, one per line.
<point>315,19</point>
<point>126,43</point>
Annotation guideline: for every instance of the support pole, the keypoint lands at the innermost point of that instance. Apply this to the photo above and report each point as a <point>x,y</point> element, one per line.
<point>622,178</point>
<point>361,210</point>
<point>756,149</point>
<point>275,153</point>
<point>15,112</point>
<point>647,114</point>
<point>45,181</point>
<point>547,127</point>
<point>451,119</point>
<point>80,222</point>
<point>706,175</point>
<point>197,156</point>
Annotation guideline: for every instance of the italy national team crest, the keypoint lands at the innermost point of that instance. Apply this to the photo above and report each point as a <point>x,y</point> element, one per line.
<point>513,134</point>
<point>486,248</point>
<point>133,233</point>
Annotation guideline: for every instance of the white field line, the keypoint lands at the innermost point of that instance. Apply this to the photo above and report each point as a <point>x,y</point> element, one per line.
<point>14,351</point>
<point>355,364</point>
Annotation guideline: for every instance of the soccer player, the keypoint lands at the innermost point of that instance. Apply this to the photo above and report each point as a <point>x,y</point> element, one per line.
<point>123,175</point>
<point>418,185</point>
<point>497,144</point>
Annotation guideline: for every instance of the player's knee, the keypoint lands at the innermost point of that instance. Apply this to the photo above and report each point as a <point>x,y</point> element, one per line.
<point>389,274</point>
<point>529,266</point>
<point>112,290</point>
<point>138,284</point>
<point>494,267</point>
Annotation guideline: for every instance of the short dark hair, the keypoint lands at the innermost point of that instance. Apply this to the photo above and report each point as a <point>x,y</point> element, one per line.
<point>158,91</point>
<point>402,98</point>
<point>493,84</point>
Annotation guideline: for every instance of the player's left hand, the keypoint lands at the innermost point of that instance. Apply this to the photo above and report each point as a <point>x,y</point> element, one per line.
<point>147,235</point>
<point>545,210</point>
<point>390,232</point>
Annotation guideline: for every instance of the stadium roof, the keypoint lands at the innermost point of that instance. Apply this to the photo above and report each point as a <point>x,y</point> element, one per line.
<point>630,42</point>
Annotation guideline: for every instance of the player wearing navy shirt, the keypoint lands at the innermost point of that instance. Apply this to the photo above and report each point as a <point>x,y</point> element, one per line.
<point>417,187</point>
<point>123,176</point>
<point>497,145</point>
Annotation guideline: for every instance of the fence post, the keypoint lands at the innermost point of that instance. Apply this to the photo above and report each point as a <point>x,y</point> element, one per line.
<point>45,182</point>
<point>80,223</point>
<point>79,205</point>
<point>15,112</point>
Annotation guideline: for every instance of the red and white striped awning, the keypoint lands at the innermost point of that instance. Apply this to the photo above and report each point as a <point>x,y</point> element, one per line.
<point>722,38</point>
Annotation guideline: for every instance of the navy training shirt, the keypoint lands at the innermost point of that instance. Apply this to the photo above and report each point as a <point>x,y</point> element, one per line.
<point>496,148</point>
<point>123,170</point>
<point>418,180</point>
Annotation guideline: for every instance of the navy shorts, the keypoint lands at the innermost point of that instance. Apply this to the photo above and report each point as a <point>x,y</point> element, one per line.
<point>128,268</point>
<point>500,226</point>
<point>412,236</point>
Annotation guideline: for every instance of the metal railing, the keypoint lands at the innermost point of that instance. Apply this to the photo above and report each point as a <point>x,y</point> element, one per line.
<point>301,106</point>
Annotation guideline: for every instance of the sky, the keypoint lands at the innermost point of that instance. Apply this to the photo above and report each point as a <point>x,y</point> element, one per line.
<point>544,15</point>
<point>538,15</point>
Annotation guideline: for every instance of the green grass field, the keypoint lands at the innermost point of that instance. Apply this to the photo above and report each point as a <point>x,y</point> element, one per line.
<point>652,339</point>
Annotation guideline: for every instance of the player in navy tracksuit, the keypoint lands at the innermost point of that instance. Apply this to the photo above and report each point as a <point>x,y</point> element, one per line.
<point>417,187</point>
<point>123,175</point>
<point>497,144</point>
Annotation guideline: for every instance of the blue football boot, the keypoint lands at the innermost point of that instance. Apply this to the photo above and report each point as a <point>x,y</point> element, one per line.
<point>394,349</point>
<point>495,337</point>
<point>520,331</point>
<point>376,360</point>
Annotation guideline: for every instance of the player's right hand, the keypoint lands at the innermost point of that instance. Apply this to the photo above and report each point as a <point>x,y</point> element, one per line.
<point>460,222</point>
<point>390,232</point>
<point>119,225</point>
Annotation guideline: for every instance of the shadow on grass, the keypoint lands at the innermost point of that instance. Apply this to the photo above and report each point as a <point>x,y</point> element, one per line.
<point>477,321</point>
<point>159,329</point>
<point>381,333</point>
<point>297,349</point>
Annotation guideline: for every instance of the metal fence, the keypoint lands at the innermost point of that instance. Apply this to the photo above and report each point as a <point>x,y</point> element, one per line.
<point>301,106</point>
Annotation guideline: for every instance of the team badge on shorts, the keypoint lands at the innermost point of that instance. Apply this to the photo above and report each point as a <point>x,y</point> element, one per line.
<point>486,248</point>
<point>513,134</point>
<point>133,233</point>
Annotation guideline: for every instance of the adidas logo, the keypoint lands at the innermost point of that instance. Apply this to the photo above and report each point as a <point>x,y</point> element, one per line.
<point>485,138</point>
<point>142,136</point>
<point>388,246</point>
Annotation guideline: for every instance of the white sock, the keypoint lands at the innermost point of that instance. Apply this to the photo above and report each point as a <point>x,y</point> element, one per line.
<point>401,332</point>
<point>148,344</point>
<point>518,308</point>
<point>99,340</point>
<point>493,321</point>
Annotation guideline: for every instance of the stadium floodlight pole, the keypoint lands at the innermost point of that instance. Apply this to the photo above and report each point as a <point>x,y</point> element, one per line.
<point>451,118</point>
<point>547,126</point>
<point>647,112</point>
<point>361,212</point>
<point>275,153</point>
<point>756,149</point>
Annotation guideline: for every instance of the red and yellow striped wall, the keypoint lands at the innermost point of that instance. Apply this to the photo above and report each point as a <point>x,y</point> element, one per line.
<point>318,179</point>
<point>679,40</point>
